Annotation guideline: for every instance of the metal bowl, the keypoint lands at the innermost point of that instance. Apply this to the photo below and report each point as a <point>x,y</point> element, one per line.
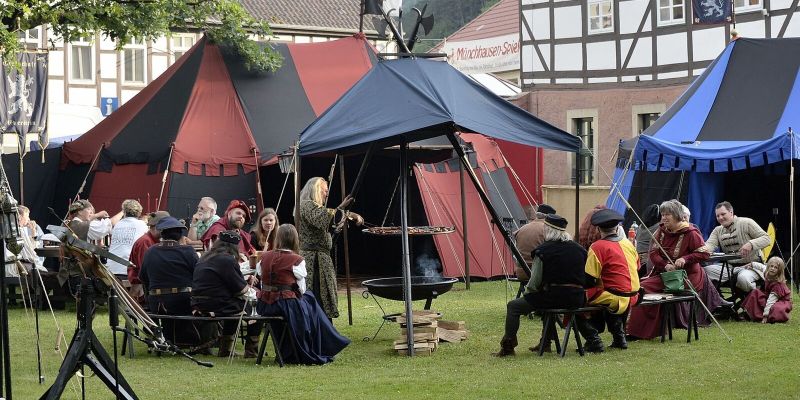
<point>422,287</point>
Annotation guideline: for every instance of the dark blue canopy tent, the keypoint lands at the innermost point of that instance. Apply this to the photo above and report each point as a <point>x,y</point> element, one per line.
<point>408,100</point>
<point>735,117</point>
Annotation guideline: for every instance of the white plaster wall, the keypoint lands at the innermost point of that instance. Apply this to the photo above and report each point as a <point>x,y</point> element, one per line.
<point>642,54</point>
<point>108,65</point>
<point>83,96</point>
<point>677,74</point>
<point>108,89</point>
<point>753,29</point>
<point>601,55</point>
<point>55,63</point>
<point>630,15</point>
<point>779,4</point>
<point>793,29</point>
<point>567,22</point>
<point>55,91</point>
<point>539,21</point>
<point>568,57</point>
<point>672,49</point>
<point>160,64</point>
<point>708,43</point>
<point>602,80</point>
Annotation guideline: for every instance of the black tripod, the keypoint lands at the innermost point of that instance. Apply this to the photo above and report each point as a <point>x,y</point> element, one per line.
<point>86,350</point>
<point>5,363</point>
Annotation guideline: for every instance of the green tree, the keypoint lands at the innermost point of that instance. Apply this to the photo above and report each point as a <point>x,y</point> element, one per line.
<point>224,21</point>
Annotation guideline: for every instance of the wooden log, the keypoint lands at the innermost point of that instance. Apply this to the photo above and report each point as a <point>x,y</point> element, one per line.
<point>452,325</point>
<point>451,336</point>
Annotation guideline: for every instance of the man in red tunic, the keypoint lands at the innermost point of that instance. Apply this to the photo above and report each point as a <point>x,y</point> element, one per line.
<point>140,246</point>
<point>611,278</point>
<point>236,216</point>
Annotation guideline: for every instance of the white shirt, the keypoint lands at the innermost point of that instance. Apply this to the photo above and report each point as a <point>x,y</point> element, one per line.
<point>300,274</point>
<point>124,234</point>
<point>99,228</point>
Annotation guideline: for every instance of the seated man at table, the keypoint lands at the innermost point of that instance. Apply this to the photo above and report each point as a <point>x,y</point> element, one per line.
<point>611,279</point>
<point>530,236</point>
<point>556,280</point>
<point>737,235</point>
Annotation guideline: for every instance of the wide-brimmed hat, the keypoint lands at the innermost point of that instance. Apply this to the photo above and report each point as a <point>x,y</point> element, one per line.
<point>556,221</point>
<point>545,209</point>
<point>170,223</point>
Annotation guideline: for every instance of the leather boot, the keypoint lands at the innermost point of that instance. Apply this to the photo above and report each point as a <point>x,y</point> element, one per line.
<point>593,342</point>
<point>616,326</point>
<point>507,345</point>
<point>226,345</point>
<point>251,347</point>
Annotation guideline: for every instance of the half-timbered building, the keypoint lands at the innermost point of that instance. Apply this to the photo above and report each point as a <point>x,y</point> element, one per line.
<point>606,69</point>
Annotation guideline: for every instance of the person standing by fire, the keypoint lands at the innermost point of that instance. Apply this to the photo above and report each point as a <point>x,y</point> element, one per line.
<point>315,221</point>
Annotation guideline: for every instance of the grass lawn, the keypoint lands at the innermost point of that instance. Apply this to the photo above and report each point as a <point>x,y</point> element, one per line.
<point>761,362</point>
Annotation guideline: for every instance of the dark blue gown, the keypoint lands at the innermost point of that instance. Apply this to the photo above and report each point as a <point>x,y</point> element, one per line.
<point>312,333</point>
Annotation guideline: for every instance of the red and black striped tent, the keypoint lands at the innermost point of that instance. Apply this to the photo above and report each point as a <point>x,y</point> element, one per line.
<point>207,123</point>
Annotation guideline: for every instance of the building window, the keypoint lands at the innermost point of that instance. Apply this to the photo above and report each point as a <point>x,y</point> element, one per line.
<point>583,129</point>
<point>180,45</point>
<point>601,16</point>
<point>81,61</point>
<point>670,12</point>
<point>134,61</point>
<point>746,5</point>
<point>645,120</point>
<point>30,39</point>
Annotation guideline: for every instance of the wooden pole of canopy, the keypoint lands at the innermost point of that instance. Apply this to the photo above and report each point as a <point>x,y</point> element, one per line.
<point>464,225</point>
<point>485,198</point>
<point>346,249</point>
<point>406,248</point>
<point>297,186</point>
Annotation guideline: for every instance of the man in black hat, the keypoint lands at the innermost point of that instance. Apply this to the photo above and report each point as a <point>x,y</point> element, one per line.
<point>612,280</point>
<point>166,273</point>
<point>556,280</point>
<point>530,236</point>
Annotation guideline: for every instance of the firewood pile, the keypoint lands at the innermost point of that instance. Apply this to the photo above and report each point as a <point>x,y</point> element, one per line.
<point>429,331</point>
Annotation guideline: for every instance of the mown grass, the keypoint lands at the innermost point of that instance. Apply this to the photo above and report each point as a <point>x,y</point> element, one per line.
<point>761,362</point>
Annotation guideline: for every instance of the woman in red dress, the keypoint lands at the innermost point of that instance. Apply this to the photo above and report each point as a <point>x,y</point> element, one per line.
<point>682,247</point>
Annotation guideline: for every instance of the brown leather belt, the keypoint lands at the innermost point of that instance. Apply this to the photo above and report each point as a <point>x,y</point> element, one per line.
<point>158,292</point>
<point>572,285</point>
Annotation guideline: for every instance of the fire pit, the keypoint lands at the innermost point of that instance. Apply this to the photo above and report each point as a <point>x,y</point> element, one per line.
<point>422,287</point>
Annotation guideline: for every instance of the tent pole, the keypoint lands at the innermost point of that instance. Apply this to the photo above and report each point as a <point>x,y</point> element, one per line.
<point>361,170</point>
<point>346,250</point>
<point>577,194</point>
<point>485,198</point>
<point>21,178</point>
<point>163,179</point>
<point>259,193</point>
<point>404,240</point>
<point>297,186</point>
<point>792,224</point>
<point>464,225</point>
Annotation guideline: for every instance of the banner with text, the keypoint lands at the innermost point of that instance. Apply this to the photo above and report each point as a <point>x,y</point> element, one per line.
<point>23,98</point>
<point>496,54</point>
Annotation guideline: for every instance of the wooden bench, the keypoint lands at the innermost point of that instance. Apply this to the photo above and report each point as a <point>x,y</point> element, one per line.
<point>267,329</point>
<point>550,319</point>
<point>668,313</point>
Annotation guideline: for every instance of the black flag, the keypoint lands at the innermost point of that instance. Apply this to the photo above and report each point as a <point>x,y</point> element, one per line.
<point>711,11</point>
<point>23,99</point>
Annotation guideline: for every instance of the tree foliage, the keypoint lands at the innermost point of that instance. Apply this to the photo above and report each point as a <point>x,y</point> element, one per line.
<point>224,21</point>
